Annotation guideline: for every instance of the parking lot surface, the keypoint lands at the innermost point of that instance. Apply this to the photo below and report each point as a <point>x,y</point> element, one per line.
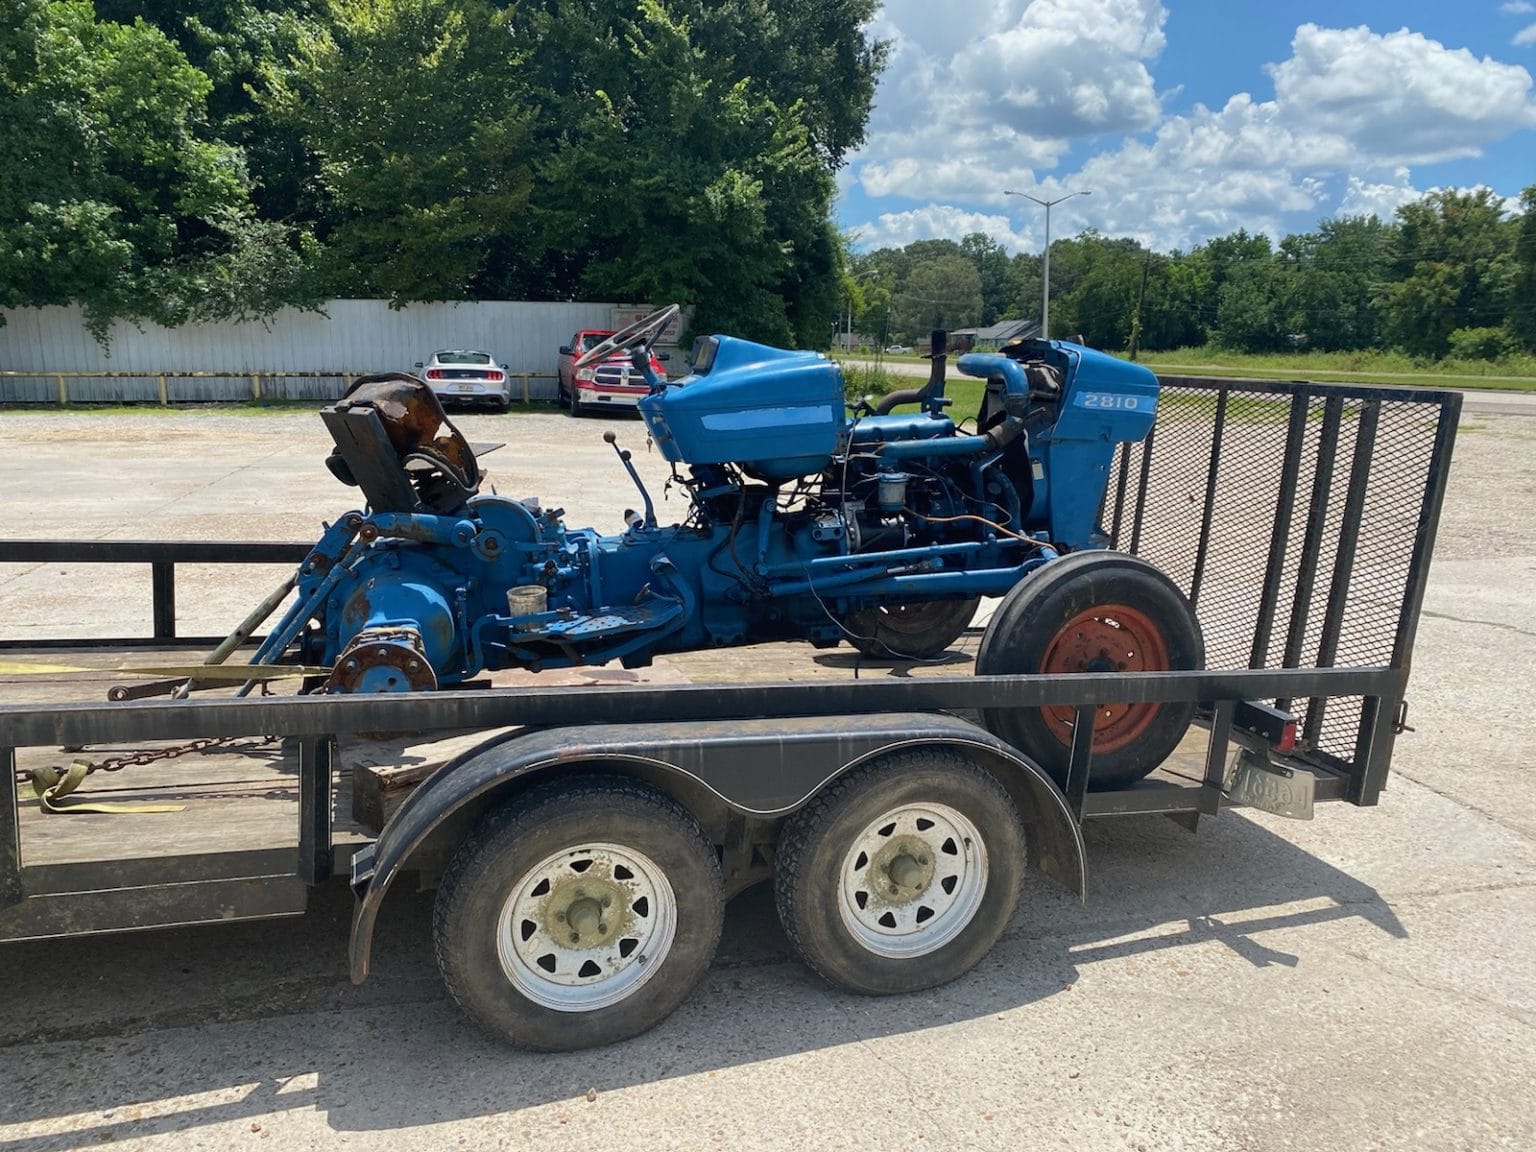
<point>1361,981</point>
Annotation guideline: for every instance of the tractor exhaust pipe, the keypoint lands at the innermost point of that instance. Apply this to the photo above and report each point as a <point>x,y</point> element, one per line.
<point>938,341</point>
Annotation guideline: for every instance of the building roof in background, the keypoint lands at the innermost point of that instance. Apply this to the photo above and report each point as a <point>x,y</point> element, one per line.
<point>1002,331</point>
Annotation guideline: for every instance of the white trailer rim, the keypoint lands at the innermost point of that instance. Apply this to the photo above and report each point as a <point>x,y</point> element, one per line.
<point>912,880</point>
<point>586,927</point>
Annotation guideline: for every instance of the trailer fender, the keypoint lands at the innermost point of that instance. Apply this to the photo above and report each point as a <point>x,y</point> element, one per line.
<point>758,768</point>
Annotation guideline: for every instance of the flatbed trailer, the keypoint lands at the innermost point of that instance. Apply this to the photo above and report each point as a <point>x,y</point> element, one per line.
<point>1299,519</point>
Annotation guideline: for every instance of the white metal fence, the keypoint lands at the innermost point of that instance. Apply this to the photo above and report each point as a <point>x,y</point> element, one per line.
<point>47,355</point>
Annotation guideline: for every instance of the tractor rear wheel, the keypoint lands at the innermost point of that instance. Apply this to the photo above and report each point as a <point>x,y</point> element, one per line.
<point>1094,612</point>
<point>910,631</point>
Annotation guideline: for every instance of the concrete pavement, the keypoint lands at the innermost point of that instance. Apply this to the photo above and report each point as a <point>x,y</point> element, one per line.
<point>1362,981</point>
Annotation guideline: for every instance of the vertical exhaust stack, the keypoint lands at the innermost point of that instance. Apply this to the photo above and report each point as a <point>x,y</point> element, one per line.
<point>938,358</point>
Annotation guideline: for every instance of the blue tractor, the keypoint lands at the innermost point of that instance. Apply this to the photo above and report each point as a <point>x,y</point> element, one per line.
<point>806,522</point>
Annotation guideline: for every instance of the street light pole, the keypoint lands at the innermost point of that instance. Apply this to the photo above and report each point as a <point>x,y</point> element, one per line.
<point>1045,271</point>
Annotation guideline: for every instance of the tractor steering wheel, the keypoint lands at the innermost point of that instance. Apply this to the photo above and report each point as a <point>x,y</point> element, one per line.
<point>644,332</point>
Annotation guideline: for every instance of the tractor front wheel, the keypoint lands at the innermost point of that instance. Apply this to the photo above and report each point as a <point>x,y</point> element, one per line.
<point>910,631</point>
<point>1094,612</point>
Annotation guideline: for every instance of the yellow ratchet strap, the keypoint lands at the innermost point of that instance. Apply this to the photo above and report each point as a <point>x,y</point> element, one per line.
<point>51,786</point>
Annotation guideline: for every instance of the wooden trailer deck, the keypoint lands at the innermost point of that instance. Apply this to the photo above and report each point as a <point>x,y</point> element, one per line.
<point>244,796</point>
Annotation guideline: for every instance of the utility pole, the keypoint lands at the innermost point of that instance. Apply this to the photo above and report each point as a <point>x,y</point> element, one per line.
<point>1146,267</point>
<point>1045,293</point>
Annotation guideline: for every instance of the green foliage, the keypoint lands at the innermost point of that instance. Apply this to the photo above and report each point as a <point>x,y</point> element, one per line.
<point>1255,306</point>
<point>418,180</point>
<point>992,268</point>
<point>117,195</point>
<point>1481,343</point>
<point>940,292</point>
<point>1095,283</point>
<point>1522,291</point>
<point>177,160</point>
<point>1449,262</point>
<point>1336,276</point>
<point>184,159</point>
<point>1453,267</point>
<point>861,380</point>
<point>687,153</point>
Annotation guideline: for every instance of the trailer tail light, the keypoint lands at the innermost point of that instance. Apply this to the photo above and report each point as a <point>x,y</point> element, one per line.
<point>1287,740</point>
<point>1275,726</point>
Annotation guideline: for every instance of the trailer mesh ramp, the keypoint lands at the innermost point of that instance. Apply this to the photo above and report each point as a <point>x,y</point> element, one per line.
<point>1297,517</point>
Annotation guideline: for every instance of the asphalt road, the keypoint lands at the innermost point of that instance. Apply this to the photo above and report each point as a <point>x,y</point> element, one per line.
<point>1363,981</point>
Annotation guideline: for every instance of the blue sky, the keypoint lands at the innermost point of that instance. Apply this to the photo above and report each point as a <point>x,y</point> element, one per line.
<point>1186,119</point>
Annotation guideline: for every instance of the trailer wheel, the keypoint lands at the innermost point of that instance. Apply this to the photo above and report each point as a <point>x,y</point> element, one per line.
<point>580,914</point>
<point>1094,612</point>
<point>911,631</point>
<point>902,874</point>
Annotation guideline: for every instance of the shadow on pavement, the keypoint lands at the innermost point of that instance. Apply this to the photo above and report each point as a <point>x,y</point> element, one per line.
<point>115,1019</point>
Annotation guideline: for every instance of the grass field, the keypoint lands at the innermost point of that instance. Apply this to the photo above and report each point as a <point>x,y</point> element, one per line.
<point>1512,374</point>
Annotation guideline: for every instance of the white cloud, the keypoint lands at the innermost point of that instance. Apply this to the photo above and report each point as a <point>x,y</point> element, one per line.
<point>1363,198</point>
<point>1054,71</point>
<point>1399,98</point>
<point>897,229</point>
<point>1351,108</point>
<point>1517,8</point>
<point>1526,35</point>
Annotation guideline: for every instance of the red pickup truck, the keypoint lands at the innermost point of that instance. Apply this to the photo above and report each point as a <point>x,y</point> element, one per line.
<point>610,383</point>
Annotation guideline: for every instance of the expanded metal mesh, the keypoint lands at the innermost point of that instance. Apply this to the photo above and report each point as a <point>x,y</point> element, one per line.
<point>1291,515</point>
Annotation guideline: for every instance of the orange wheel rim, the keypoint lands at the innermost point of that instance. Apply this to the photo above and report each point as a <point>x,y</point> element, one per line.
<point>1106,638</point>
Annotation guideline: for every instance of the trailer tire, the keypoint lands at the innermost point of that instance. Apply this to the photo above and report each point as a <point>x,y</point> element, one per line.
<point>911,631</point>
<point>1092,612</point>
<point>930,828</point>
<point>568,858</point>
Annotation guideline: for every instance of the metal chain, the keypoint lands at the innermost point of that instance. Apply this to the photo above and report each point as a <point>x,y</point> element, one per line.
<point>127,759</point>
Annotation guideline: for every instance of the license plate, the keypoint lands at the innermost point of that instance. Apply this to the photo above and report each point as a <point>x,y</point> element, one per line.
<point>1270,787</point>
<point>466,387</point>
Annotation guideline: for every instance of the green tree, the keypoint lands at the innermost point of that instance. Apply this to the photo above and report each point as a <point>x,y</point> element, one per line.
<point>1209,265</point>
<point>1025,272</point>
<point>1255,307</point>
<point>807,52</point>
<point>1453,266</point>
<point>991,261</point>
<point>942,292</point>
<point>117,195</point>
<point>675,167</point>
<point>418,180</point>
<point>1174,309</point>
<point>1522,296</point>
<point>1337,277</point>
<point>1095,282</point>
<point>231,42</point>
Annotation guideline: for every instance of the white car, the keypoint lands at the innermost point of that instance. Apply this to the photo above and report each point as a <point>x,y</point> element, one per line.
<point>898,350</point>
<point>463,376</point>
